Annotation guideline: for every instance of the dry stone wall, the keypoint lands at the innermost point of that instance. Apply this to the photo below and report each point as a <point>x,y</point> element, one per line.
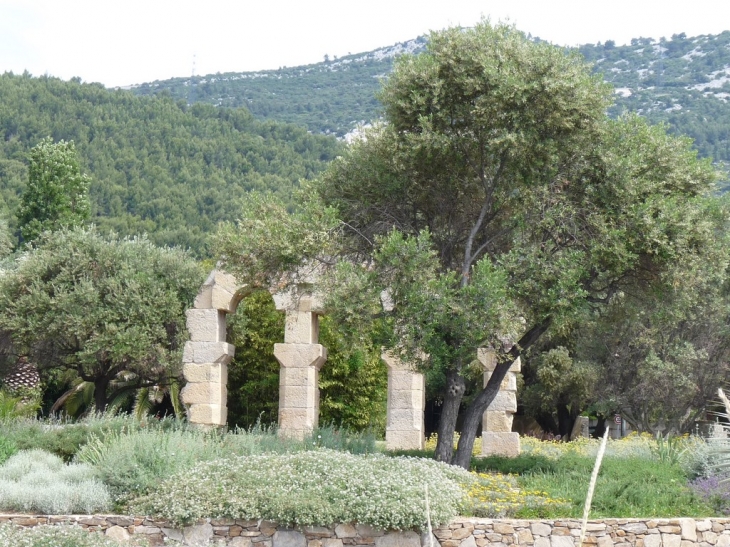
<point>462,532</point>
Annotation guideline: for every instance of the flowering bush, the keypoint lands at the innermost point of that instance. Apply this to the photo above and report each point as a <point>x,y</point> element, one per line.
<point>496,496</point>
<point>313,488</point>
<point>57,536</point>
<point>37,481</point>
<point>715,492</point>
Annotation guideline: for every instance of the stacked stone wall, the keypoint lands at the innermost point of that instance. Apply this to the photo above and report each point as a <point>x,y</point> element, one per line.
<point>462,532</point>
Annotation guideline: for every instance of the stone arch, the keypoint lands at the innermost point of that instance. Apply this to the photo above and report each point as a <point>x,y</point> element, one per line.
<point>207,354</point>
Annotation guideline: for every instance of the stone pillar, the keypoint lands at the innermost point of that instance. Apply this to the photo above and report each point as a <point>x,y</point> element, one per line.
<point>497,436</point>
<point>406,402</point>
<point>206,355</point>
<point>300,357</point>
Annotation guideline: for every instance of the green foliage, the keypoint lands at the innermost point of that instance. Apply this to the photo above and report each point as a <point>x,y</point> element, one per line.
<point>39,482</point>
<point>6,239</point>
<point>57,195</point>
<point>668,449</point>
<point>7,448</point>
<point>157,166</point>
<point>16,405</point>
<point>60,536</point>
<point>133,461</point>
<point>253,375</point>
<point>630,487</point>
<point>312,489</point>
<point>109,308</point>
<point>352,382</point>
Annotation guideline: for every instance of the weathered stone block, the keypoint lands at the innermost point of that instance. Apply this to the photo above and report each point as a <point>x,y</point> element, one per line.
<point>208,352</point>
<point>404,419</point>
<point>296,396</point>
<point>505,401</point>
<point>207,372</point>
<point>671,540</point>
<point>497,421</point>
<point>689,529</point>
<point>501,444</point>
<point>206,325</point>
<point>288,538</point>
<point>204,393</point>
<point>220,291</point>
<point>404,440</point>
<point>607,541</point>
<point>118,534</point>
<point>300,355</point>
<point>540,529</point>
<point>301,327</point>
<point>561,541</point>
<point>199,535</point>
<point>298,376</point>
<point>406,380</point>
<point>405,399</point>
<point>208,414</point>
<point>398,539</point>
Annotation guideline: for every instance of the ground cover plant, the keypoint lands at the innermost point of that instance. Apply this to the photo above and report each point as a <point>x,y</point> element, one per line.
<point>61,536</point>
<point>34,481</point>
<point>312,488</point>
<point>635,480</point>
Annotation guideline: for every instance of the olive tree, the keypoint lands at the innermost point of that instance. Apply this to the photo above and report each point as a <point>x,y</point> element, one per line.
<point>497,202</point>
<point>100,306</point>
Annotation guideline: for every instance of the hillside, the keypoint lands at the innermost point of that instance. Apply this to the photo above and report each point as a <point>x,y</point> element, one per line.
<point>157,165</point>
<point>680,81</point>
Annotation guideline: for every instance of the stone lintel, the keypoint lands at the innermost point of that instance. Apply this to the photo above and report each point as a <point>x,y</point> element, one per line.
<point>208,352</point>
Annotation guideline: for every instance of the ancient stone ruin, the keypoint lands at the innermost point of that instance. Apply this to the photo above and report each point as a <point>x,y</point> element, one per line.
<point>207,355</point>
<point>497,436</point>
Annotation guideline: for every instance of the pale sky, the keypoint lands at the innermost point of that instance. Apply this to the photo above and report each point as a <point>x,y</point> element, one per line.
<point>121,42</point>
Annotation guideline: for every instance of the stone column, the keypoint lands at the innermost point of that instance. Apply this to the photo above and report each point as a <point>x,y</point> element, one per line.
<point>497,436</point>
<point>206,355</point>
<point>300,357</point>
<point>406,403</point>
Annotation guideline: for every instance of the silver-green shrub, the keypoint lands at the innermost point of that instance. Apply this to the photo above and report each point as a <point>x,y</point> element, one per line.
<point>313,488</point>
<point>58,536</point>
<point>40,482</point>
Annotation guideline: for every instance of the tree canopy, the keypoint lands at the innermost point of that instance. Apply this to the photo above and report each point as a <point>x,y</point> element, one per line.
<point>57,195</point>
<point>104,307</point>
<point>498,202</point>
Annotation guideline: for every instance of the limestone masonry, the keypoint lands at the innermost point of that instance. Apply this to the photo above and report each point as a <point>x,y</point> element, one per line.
<point>207,355</point>
<point>462,532</point>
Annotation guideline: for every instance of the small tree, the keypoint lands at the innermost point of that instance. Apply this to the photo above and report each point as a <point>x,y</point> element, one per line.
<point>103,307</point>
<point>57,195</point>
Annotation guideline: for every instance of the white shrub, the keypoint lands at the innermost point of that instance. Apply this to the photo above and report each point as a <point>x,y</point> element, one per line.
<point>37,481</point>
<point>313,488</point>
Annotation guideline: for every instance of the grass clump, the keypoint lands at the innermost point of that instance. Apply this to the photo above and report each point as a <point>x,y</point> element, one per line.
<point>313,488</point>
<point>60,536</point>
<point>37,481</point>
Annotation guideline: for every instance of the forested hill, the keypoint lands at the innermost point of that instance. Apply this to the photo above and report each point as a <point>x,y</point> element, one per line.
<point>157,165</point>
<point>682,81</point>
